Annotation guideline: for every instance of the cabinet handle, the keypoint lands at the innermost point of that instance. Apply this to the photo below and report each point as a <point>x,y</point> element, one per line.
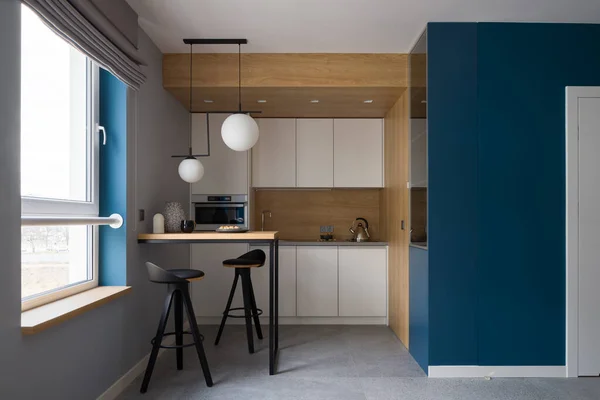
<point>402,224</point>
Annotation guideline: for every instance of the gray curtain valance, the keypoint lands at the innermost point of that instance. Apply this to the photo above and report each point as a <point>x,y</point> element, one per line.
<point>85,27</point>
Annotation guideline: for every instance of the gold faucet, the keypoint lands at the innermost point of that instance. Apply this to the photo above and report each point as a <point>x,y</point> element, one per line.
<point>262,218</point>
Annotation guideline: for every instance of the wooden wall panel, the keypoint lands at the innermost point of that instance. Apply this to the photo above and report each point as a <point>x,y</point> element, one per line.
<point>395,209</point>
<point>298,214</point>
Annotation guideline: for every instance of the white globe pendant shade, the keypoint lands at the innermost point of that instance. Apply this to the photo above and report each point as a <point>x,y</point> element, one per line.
<point>239,132</point>
<point>191,170</point>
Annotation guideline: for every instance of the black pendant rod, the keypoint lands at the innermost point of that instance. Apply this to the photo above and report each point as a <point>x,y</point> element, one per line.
<point>239,78</point>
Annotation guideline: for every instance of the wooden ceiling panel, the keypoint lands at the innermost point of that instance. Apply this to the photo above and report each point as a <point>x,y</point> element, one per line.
<point>288,82</point>
<point>295,102</point>
<point>287,70</point>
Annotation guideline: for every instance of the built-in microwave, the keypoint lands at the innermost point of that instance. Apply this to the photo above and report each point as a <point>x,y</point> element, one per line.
<point>212,211</point>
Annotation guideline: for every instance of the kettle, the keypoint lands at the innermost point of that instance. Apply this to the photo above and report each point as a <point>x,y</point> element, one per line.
<point>361,233</point>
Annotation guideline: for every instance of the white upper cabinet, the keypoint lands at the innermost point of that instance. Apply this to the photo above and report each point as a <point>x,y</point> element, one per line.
<point>418,152</point>
<point>358,153</point>
<point>274,155</point>
<point>363,281</point>
<point>314,152</point>
<point>226,170</point>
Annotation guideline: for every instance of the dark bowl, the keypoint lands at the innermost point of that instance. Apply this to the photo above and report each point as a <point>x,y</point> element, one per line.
<point>188,226</point>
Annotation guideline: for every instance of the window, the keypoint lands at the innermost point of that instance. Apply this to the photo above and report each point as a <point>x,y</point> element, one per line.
<point>59,164</point>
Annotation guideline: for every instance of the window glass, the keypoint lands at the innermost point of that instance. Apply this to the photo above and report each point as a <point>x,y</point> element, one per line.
<point>53,257</point>
<point>54,114</point>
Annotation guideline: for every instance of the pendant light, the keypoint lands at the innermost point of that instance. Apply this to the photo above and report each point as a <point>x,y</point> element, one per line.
<point>239,131</point>
<point>191,169</point>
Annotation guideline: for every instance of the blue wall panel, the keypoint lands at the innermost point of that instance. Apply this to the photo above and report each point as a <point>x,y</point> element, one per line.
<point>113,179</point>
<point>452,192</point>
<point>419,306</point>
<point>522,74</point>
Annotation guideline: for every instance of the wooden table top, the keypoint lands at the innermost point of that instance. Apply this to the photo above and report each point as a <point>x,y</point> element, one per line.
<point>210,236</point>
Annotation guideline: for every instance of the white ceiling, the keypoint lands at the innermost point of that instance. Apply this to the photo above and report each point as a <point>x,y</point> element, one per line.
<point>333,26</point>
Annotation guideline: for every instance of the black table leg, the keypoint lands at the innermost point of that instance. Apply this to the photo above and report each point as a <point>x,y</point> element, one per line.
<point>272,262</point>
<point>276,300</point>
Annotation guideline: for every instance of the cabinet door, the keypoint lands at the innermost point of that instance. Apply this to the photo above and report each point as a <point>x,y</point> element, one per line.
<point>363,281</point>
<point>274,155</point>
<point>317,281</point>
<point>226,170</point>
<point>209,296</point>
<point>418,152</point>
<point>287,281</point>
<point>358,152</point>
<point>314,152</point>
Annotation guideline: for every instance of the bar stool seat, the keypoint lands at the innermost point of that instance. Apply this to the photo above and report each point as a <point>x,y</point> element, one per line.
<point>178,295</point>
<point>187,274</point>
<point>243,264</point>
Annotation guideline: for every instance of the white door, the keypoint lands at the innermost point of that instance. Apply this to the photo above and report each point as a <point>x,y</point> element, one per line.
<point>358,152</point>
<point>226,170</point>
<point>317,281</point>
<point>314,152</point>
<point>274,155</point>
<point>589,234</point>
<point>287,281</point>
<point>363,281</point>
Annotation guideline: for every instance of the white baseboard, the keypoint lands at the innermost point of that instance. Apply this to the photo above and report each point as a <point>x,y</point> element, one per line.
<point>121,384</point>
<point>300,321</point>
<point>482,371</point>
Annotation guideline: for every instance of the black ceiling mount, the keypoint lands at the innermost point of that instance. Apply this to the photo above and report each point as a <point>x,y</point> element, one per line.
<point>215,41</point>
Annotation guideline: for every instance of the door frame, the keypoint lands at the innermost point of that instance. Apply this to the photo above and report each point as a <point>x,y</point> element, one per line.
<point>573,94</point>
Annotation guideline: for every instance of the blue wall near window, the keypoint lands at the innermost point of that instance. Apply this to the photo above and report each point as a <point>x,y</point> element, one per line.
<point>113,179</point>
<point>496,110</point>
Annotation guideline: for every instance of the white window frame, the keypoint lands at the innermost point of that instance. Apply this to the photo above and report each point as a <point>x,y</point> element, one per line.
<point>33,206</point>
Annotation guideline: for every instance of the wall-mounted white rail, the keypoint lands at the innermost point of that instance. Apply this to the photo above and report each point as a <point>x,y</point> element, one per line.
<point>114,221</point>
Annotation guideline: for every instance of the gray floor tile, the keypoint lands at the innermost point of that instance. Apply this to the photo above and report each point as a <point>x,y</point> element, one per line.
<point>333,362</point>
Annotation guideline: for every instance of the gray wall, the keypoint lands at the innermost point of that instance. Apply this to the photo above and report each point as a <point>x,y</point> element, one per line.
<point>81,358</point>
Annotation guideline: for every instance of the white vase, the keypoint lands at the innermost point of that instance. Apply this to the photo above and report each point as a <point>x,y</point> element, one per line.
<point>158,223</point>
<point>174,214</point>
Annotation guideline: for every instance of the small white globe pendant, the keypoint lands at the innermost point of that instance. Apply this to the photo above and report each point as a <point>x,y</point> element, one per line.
<point>191,170</point>
<point>239,132</point>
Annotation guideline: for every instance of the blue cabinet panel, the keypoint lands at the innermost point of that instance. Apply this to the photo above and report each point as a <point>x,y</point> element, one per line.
<point>452,192</point>
<point>419,306</point>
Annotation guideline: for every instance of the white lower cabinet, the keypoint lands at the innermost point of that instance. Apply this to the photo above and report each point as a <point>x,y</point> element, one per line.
<point>314,281</point>
<point>287,281</point>
<point>362,281</point>
<point>317,281</point>
<point>209,295</point>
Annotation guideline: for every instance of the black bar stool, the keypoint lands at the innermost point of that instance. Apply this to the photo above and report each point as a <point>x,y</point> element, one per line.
<point>178,292</point>
<point>243,264</point>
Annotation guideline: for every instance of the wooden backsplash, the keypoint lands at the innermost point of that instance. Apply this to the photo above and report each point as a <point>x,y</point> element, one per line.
<point>298,214</point>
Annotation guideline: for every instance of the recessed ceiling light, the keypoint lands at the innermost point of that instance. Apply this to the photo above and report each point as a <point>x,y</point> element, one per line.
<point>208,101</point>
<point>314,101</point>
<point>261,101</point>
<point>367,101</point>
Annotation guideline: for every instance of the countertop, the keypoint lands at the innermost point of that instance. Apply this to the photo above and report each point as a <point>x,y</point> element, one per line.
<point>208,236</point>
<point>337,243</point>
<point>419,245</point>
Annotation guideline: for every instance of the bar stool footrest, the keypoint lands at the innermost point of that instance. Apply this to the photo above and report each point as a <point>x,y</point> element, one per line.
<point>252,315</point>
<point>181,346</point>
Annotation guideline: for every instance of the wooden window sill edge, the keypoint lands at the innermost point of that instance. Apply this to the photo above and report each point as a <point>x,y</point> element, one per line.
<point>43,317</point>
